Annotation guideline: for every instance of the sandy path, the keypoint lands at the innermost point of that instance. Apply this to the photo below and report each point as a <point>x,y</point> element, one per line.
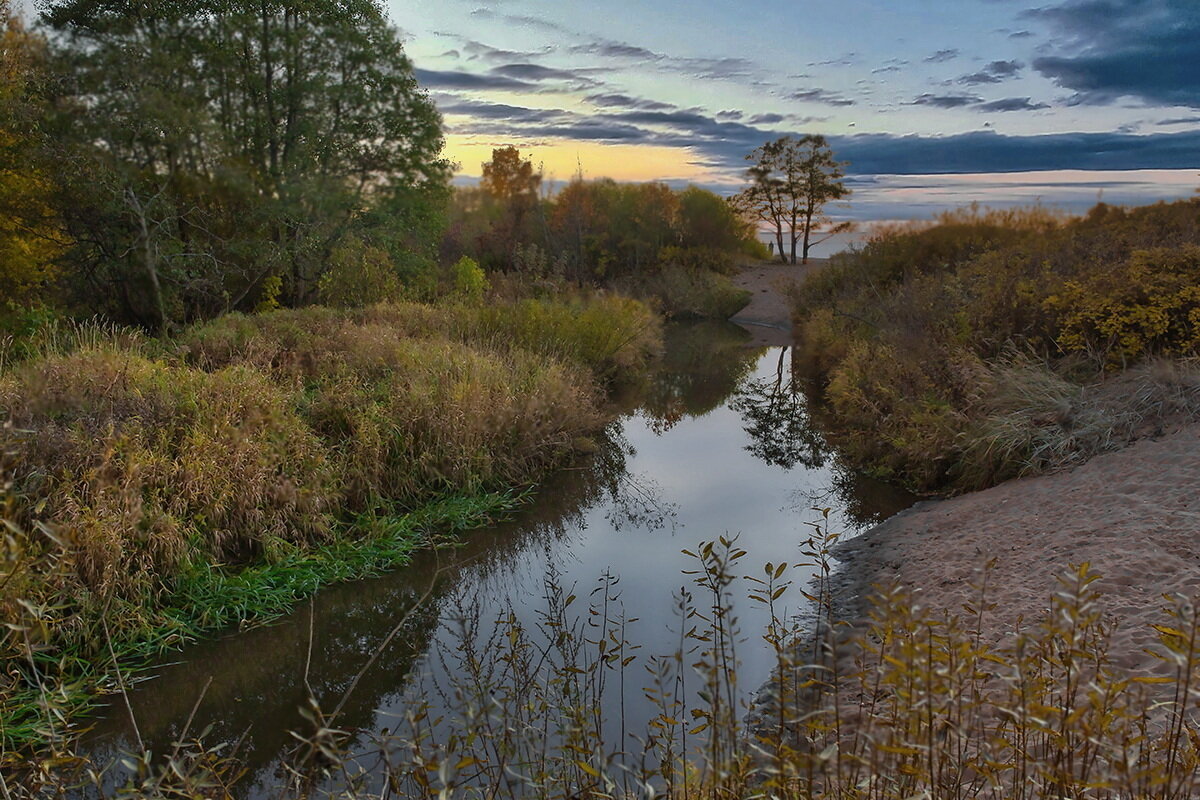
<point>1134,515</point>
<point>769,315</point>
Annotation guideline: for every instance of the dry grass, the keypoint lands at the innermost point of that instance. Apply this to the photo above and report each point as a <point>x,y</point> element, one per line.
<point>904,704</point>
<point>260,440</point>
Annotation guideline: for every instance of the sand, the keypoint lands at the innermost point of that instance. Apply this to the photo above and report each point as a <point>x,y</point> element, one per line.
<point>1134,515</point>
<point>768,317</point>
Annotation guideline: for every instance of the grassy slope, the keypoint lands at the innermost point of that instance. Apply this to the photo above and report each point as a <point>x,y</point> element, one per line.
<point>221,477</point>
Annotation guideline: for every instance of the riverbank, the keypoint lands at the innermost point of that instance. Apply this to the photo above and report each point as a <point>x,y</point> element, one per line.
<point>768,316</point>
<point>1132,515</point>
<point>214,479</point>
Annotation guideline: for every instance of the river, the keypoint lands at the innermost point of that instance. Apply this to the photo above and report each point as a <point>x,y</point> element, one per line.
<point>717,442</point>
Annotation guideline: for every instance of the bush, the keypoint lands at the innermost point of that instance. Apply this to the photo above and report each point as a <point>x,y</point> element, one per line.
<point>1147,304</point>
<point>468,281</point>
<point>683,292</point>
<point>359,274</point>
<point>912,334</point>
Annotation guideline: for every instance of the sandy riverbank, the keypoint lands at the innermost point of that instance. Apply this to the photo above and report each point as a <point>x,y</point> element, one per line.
<point>768,317</point>
<point>1134,515</point>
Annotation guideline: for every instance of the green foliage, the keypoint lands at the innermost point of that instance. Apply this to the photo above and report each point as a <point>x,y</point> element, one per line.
<point>468,280</point>
<point>31,235</point>
<point>914,333</point>
<point>643,238</point>
<point>230,471</point>
<point>225,162</point>
<point>359,275</point>
<point>683,292</point>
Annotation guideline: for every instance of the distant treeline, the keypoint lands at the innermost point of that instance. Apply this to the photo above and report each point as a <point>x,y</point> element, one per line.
<point>590,231</point>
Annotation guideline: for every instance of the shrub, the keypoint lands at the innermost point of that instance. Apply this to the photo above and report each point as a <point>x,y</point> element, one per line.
<point>1149,303</point>
<point>146,468</point>
<point>467,280</point>
<point>359,274</point>
<point>951,303</point>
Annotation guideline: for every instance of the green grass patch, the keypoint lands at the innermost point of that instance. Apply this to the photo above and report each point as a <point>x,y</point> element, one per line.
<point>211,597</point>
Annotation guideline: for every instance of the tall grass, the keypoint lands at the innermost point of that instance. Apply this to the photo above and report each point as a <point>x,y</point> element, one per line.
<point>177,486</point>
<point>906,703</point>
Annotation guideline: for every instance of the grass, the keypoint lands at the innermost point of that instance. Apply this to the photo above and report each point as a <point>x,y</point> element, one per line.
<point>906,702</point>
<point>162,489</point>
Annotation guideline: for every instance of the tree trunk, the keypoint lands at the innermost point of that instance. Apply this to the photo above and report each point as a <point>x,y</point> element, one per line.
<point>807,236</point>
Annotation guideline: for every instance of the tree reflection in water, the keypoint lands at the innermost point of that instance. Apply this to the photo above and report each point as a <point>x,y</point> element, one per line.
<point>775,416</point>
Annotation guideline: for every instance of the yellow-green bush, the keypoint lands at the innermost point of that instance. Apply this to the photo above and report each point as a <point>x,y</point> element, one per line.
<point>1149,303</point>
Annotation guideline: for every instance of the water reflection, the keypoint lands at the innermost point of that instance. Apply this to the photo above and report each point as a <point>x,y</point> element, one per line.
<point>715,441</point>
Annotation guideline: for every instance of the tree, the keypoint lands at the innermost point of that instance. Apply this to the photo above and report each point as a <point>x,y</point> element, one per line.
<point>31,235</point>
<point>820,182</point>
<point>791,181</point>
<point>513,184</point>
<point>222,147</point>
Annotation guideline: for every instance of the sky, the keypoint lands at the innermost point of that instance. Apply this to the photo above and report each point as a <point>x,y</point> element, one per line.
<point>933,103</point>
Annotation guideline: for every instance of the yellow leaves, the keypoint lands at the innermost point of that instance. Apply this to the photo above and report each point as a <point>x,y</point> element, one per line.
<point>1149,303</point>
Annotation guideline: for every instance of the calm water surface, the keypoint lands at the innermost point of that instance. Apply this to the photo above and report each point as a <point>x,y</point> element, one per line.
<point>716,443</point>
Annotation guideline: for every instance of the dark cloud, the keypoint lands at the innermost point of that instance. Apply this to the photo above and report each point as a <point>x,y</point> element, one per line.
<point>480,109</point>
<point>613,100</point>
<point>1147,49</point>
<point>607,49</point>
<point>730,115</point>
<point>439,79</point>
<point>723,144</point>
<point>946,100</point>
<point>942,56</point>
<point>1180,121</point>
<point>1020,34</point>
<point>538,73</point>
<point>1011,104</point>
<point>994,72</point>
<point>821,96</point>
<point>473,50</point>
<point>766,119</point>
<point>991,152</point>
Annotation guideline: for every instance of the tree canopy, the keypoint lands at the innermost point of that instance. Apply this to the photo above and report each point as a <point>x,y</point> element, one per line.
<point>791,181</point>
<point>218,153</point>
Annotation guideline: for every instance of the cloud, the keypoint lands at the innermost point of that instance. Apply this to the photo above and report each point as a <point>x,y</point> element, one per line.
<point>481,109</point>
<point>820,96</point>
<point>609,49</point>
<point>1180,121</point>
<point>473,50</point>
<point>985,151</point>
<point>994,72</point>
<point>946,100</point>
<point>1011,104</point>
<point>538,73</point>
<point>443,79</point>
<point>766,119</point>
<point>730,115</point>
<point>615,100</point>
<point>942,56</point>
<point>1147,49</point>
